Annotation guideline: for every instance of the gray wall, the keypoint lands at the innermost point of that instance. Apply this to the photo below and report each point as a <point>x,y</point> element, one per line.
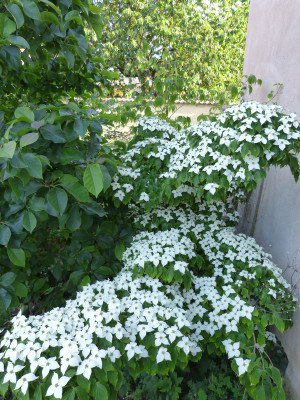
<point>273,213</point>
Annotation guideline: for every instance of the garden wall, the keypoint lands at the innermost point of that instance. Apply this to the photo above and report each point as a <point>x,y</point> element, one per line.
<point>272,215</point>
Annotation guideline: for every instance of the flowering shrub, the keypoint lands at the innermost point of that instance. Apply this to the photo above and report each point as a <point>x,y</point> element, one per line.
<point>189,282</point>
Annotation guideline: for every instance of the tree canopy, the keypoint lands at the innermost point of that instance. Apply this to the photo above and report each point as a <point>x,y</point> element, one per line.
<point>200,42</point>
<point>45,54</point>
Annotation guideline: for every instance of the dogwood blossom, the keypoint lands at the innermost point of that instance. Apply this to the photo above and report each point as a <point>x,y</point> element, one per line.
<point>188,279</point>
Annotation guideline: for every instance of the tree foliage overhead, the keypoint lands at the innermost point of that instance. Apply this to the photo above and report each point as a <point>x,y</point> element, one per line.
<point>200,42</point>
<point>44,51</point>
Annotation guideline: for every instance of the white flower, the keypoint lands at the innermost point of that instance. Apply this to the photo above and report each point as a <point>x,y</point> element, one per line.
<point>184,344</point>
<point>113,353</point>
<point>160,338</point>
<point>69,361</point>
<point>253,162</point>
<point>85,368</point>
<point>233,350</point>
<point>10,375</point>
<point>132,348</point>
<point>242,365</point>
<point>162,355</point>
<point>48,364</point>
<point>144,196</point>
<point>173,332</point>
<point>23,382</point>
<point>211,187</point>
<point>57,385</point>
<point>281,143</point>
<point>120,195</point>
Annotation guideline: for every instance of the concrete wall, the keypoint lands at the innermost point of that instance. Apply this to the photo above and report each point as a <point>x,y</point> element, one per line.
<point>272,215</point>
<point>192,110</point>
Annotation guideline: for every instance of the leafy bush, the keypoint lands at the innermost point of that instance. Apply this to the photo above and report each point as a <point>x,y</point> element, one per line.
<point>55,235</point>
<point>209,379</point>
<point>189,284</point>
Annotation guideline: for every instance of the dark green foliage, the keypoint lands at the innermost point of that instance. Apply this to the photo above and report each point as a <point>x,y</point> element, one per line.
<point>55,235</point>
<point>44,51</point>
<point>209,379</point>
<point>58,228</point>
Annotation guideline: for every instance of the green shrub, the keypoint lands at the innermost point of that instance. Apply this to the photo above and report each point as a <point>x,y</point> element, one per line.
<point>59,230</point>
<point>189,284</point>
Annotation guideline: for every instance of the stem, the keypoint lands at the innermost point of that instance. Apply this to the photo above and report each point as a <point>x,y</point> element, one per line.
<point>268,358</point>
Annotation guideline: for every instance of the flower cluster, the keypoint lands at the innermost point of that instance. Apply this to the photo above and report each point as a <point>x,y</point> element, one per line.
<point>168,255</point>
<point>189,282</point>
<point>212,160</point>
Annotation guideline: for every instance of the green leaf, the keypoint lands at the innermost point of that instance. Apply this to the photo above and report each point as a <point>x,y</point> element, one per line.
<point>38,393</point>
<point>8,150</point>
<point>58,199</point>
<point>74,220</point>
<point>80,127</point>
<point>5,234</point>
<point>16,256</point>
<point>276,376</point>
<point>16,13</point>
<point>109,74</point>
<point>85,281</point>
<point>234,91</point>
<point>24,114</point>
<point>106,177</point>
<point>14,184</point>
<point>278,322</point>
<point>81,394</point>
<point>76,190</point>
<point>70,154</point>
<point>69,395</point>
<point>53,133</point>
<point>34,165</point>
<point>29,221</point>
<point>20,289</point>
<point>24,176</point>
<point>47,16</point>
<point>37,124</point>
<point>83,382</point>
<point>201,395</point>
<point>28,139</point>
<point>31,9</point>
<point>93,208</point>
<point>259,393</point>
<point>69,57</point>
<point>100,392</point>
<point>37,204</point>
<point>113,377</point>
<point>251,79</point>
<point>264,320</point>
<point>96,22</point>
<point>159,101</point>
<point>18,41</point>
<point>5,299</point>
<point>119,250</point>
<point>7,26</point>
<point>7,279</point>
<point>255,375</point>
<point>53,6</point>
<point>74,16</point>
<point>93,179</point>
